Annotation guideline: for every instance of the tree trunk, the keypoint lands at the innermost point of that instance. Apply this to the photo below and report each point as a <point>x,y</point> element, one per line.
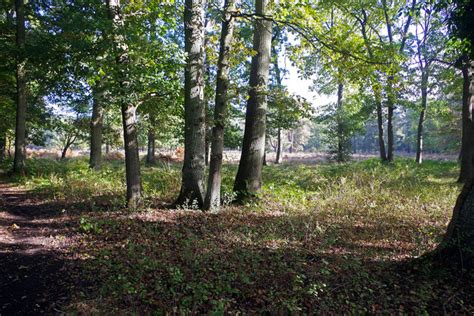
<point>95,160</point>
<point>213,194</point>
<point>207,147</point>
<point>421,120</point>
<point>150,153</point>
<point>340,130</point>
<point>383,153</point>
<point>68,144</point>
<point>279,157</point>
<point>20,130</point>
<point>278,75</point>
<point>467,143</point>
<point>3,146</point>
<point>249,174</point>
<point>457,247</point>
<point>390,110</point>
<point>132,161</point>
<point>192,187</point>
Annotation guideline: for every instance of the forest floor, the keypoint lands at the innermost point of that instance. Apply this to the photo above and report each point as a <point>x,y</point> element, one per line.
<point>321,239</point>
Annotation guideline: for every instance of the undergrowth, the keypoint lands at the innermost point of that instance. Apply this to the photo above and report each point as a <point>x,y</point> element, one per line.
<point>331,238</point>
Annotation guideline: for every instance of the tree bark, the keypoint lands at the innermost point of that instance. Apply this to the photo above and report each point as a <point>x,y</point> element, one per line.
<point>421,120</point>
<point>249,175</point>
<point>467,142</point>
<point>192,186</point>
<point>20,129</point>
<point>457,247</point>
<point>68,144</point>
<point>97,119</point>
<point>213,194</point>
<point>279,158</point>
<point>278,75</point>
<point>382,152</point>
<point>390,110</point>
<point>3,146</point>
<point>340,130</point>
<point>132,161</point>
<point>151,152</point>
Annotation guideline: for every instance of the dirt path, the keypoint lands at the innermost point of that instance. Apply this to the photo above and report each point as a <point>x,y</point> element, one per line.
<point>34,263</point>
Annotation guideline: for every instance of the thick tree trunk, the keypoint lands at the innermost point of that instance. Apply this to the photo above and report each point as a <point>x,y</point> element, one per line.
<point>150,153</point>
<point>457,247</point>
<point>421,120</point>
<point>95,159</point>
<point>213,194</point>
<point>20,130</point>
<point>192,187</point>
<point>249,174</point>
<point>132,161</point>
<point>467,143</point>
<point>279,158</point>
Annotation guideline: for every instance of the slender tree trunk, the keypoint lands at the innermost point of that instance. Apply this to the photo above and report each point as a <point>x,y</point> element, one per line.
<point>207,147</point>
<point>132,161</point>
<point>467,142</point>
<point>213,194</point>
<point>192,187</point>
<point>95,160</point>
<point>279,157</point>
<point>150,153</point>
<point>376,91</point>
<point>20,130</point>
<point>421,120</point>
<point>382,152</point>
<point>278,75</point>
<point>340,130</point>
<point>3,146</point>
<point>390,110</point>
<point>68,144</point>
<point>249,174</point>
<point>107,148</point>
<point>391,95</point>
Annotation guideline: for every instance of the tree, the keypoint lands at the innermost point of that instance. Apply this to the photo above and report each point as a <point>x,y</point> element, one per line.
<point>96,125</point>
<point>213,193</point>
<point>69,131</point>
<point>128,109</point>
<point>192,186</point>
<point>467,141</point>
<point>458,243</point>
<point>20,130</point>
<point>249,175</point>
<point>285,112</point>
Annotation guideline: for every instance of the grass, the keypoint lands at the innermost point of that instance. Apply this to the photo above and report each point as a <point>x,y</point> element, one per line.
<point>320,239</point>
